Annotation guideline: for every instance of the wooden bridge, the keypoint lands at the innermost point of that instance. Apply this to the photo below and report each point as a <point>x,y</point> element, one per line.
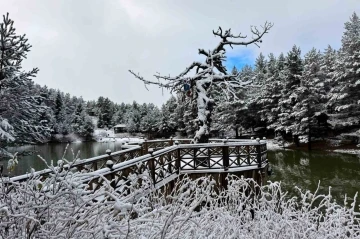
<point>166,160</point>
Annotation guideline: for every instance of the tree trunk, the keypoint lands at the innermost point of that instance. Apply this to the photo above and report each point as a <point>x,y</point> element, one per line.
<point>309,138</point>
<point>203,139</point>
<point>204,110</point>
<point>296,140</point>
<point>236,132</point>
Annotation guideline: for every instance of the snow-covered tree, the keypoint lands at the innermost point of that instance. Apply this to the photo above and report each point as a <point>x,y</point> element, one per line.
<point>150,122</point>
<point>345,95</point>
<point>310,96</point>
<point>19,105</point>
<point>227,115</point>
<point>133,118</point>
<point>62,121</point>
<point>292,72</point>
<point>119,115</point>
<point>105,112</point>
<point>208,74</point>
<point>266,98</point>
<point>168,120</point>
<point>81,122</point>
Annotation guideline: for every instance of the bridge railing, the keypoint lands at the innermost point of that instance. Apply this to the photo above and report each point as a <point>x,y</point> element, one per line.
<point>163,165</point>
<point>159,166</point>
<point>88,165</point>
<point>229,156</point>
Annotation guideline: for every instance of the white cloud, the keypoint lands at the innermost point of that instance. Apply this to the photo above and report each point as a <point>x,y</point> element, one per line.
<point>86,47</point>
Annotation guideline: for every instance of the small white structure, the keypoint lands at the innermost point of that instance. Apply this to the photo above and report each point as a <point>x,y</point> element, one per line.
<point>119,128</point>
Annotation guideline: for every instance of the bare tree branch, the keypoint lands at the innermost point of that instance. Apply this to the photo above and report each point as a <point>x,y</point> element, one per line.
<point>212,73</point>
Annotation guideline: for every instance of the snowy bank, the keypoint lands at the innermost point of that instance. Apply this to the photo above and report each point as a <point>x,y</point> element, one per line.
<point>273,144</point>
<point>347,151</point>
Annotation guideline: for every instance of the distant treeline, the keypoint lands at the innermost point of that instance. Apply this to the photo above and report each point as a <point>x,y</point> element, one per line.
<point>292,96</point>
<point>317,95</point>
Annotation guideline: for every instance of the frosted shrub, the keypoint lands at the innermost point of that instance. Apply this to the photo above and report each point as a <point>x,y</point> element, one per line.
<point>12,162</point>
<point>63,207</point>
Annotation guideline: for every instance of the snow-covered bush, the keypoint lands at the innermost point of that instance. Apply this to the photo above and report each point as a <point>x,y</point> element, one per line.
<point>62,207</point>
<point>12,162</point>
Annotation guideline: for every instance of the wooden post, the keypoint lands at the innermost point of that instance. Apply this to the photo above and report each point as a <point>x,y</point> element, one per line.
<point>110,164</point>
<point>225,154</point>
<point>171,142</point>
<point>258,151</point>
<point>196,163</point>
<point>151,165</point>
<point>90,183</point>
<point>141,149</point>
<point>248,154</point>
<point>178,161</point>
<point>95,166</point>
<point>146,147</point>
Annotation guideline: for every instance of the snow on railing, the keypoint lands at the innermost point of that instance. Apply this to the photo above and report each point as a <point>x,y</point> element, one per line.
<point>166,158</point>
<point>85,164</point>
<point>187,158</point>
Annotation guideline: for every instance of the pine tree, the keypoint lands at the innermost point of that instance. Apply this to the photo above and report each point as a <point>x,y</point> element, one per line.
<point>77,119</point>
<point>81,122</point>
<point>59,110</point>
<point>277,85</point>
<point>345,95</point>
<point>268,97</point>
<point>168,121</point>
<point>119,115</point>
<point>133,118</point>
<point>19,107</point>
<point>292,74</point>
<point>107,112</point>
<point>310,97</point>
<point>328,63</point>
<point>150,122</point>
<point>62,122</point>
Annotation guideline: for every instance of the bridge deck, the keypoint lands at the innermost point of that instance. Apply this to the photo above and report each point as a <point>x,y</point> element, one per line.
<point>165,160</point>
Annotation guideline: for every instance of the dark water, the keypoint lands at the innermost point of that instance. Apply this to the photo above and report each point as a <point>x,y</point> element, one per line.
<point>55,152</point>
<point>305,170</point>
<point>293,168</point>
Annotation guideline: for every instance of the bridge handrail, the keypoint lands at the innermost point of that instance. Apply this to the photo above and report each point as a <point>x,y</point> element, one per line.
<point>145,158</point>
<point>72,165</point>
<point>221,144</point>
<point>258,162</point>
<point>96,158</point>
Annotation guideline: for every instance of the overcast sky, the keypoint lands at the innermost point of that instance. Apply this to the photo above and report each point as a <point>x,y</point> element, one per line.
<point>86,47</point>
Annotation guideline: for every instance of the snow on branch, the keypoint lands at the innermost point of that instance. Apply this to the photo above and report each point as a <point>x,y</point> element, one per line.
<point>211,73</point>
<point>64,207</point>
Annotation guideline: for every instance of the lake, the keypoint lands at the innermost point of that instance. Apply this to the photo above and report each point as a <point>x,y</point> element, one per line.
<point>292,167</point>
<point>55,151</point>
<point>305,170</point>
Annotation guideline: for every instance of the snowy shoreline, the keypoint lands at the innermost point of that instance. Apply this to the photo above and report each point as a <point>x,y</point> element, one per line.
<point>271,145</point>
<point>347,151</point>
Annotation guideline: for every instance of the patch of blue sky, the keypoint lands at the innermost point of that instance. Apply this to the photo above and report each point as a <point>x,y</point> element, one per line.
<point>240,59</point>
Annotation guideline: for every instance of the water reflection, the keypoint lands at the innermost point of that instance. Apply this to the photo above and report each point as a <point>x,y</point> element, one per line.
<point>293,168</point>
<point>55,151</point>
<point>305,170</point>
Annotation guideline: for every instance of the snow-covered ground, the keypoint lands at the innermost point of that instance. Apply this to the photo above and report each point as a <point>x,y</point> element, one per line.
<point>275,145</point>
<point>104,135</point>
<point>347,151</point>
<point>101,133</point>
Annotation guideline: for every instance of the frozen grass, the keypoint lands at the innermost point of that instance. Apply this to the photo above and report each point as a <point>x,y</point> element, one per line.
<point>63,207</point>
